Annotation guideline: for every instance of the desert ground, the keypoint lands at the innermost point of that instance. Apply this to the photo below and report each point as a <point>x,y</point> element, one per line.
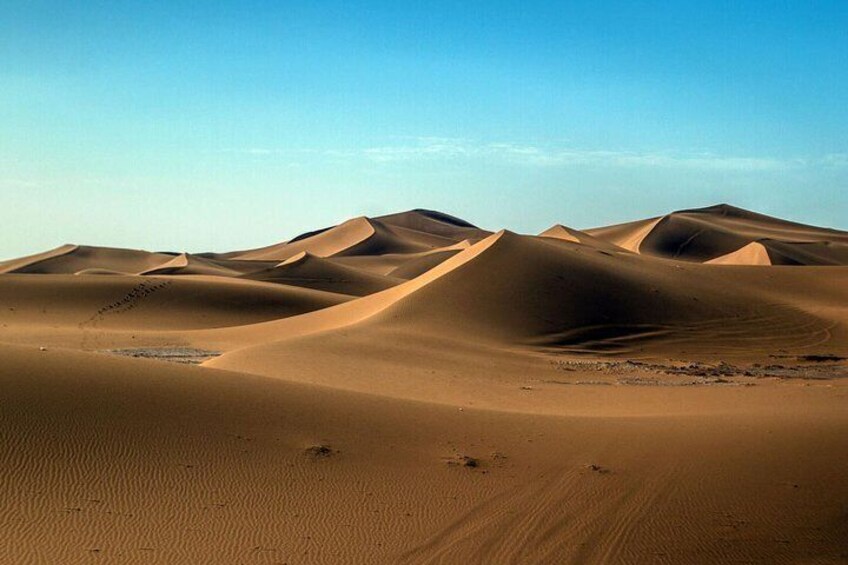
<point>411,388</point>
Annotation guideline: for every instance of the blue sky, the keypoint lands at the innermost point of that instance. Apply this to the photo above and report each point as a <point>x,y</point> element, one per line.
<point>222,125</point>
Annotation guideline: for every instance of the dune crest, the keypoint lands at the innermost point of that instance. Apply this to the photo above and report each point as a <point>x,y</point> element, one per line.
<point>185,264</point>
<point>310,271</point>
<point>29,263</point>
<point>754,253</point>
<point>704,234</point>
<point>407,232</point>
<point>565,233</point>
<point>70,259</point>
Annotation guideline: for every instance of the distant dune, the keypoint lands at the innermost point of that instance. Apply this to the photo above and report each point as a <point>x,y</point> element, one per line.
<point>709,233</point>
<point>307,270</point>
<point>411,388</point>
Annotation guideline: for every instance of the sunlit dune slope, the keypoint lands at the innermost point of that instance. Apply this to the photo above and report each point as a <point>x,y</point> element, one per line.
<point>185,264</point>
<point>309,271</point>
<point>408,232</point>
<point>565,233</point>
<point>70,259</point>
<point>146,303</point>
<point>709,233</point>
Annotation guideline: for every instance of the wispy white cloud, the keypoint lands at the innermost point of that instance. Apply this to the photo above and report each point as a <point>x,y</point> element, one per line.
<point>554,157</point>
<point>413,149</point>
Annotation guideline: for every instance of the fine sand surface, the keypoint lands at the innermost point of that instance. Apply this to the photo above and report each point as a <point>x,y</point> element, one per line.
<point>413,389</point>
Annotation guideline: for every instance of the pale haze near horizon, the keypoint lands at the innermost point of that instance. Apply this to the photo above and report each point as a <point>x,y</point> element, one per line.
<point>175,127</point>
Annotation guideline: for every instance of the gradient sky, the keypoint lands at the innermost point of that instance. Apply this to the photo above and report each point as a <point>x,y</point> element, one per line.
<point>223,125</point>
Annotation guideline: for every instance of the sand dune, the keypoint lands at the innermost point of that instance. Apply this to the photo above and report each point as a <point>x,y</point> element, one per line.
<point>13,265</point>
<point>70,259</point>
<point>185,264</point>
<point>410,388</point>
<point>408,232</point>
<point>436,223</point>
<point>145,303</point>
<point>322,244</point>
<point>574,299</point>
<point>708,233</point>
<point>402,265</point>
<point>564,233</point>
<point>309,271</point>
<point>628,236</point>
<point>754,253</point>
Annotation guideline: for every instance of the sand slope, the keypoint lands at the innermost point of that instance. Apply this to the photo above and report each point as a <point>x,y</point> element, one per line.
<point>144,303</point>
<point>13,265</point>
<point>754,253</point>
<point>564,233</point>
<point>569,298</point>
<point>436,223</point>
<point>402,265</point>
<point>185,264</point>
<point>408,232</point>
<point>307,270</point>
<point>70,259</point>
<point>708,233</point>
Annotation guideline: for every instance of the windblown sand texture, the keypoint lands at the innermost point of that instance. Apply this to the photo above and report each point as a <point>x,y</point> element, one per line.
<point>413,389</point>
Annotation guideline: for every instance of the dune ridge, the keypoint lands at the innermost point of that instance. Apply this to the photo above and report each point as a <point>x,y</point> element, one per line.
<point>307,270</point>
<point>704,234</point>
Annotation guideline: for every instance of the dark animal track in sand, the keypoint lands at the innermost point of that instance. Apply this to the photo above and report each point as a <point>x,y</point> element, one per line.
<point>138,293</point>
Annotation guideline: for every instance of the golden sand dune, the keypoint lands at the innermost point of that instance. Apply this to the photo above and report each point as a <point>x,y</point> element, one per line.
<point>185,264</point>
<point>567,299</point>
<point>708,233</point>
<point>436,223</point>
<point>307,270</point>
<point>325,243</point>
<point>402,265</point>
<point>564,233</point>
<point>13,265</point>
<point>408,232</point>
<point>412,389</point>
<point>70,259</point>
<point>143,303</point>
<point>755,253</point>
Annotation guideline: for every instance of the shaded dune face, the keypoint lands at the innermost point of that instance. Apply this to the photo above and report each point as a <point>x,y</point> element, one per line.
<point>548,295</point>
<point>408,232</point>
<point>524,290</point>
<point>436,223</point>
<point>309,271</point>
<point>692,239</point>
<point>707,234</point>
